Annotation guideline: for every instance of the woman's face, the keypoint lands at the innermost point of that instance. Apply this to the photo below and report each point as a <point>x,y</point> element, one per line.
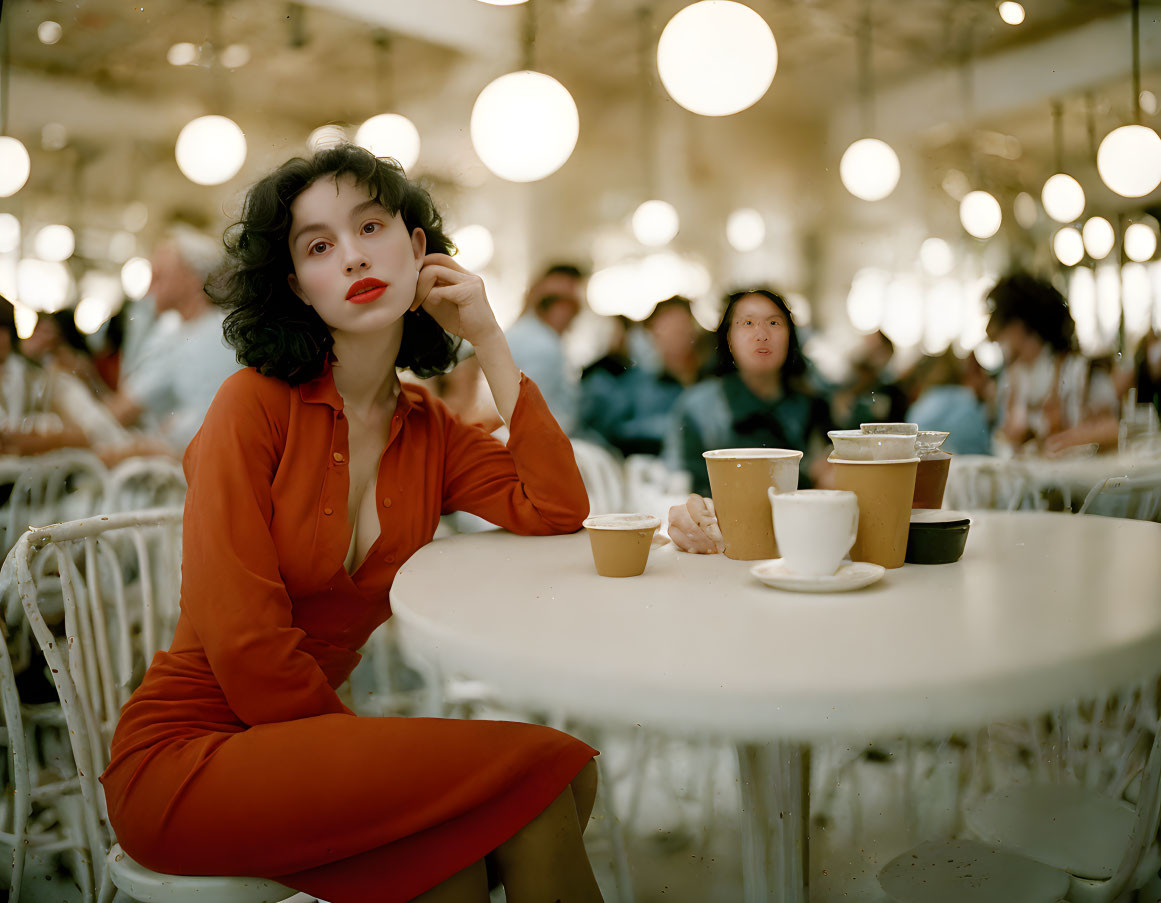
<point>354,262</point>
<point>759,336</point>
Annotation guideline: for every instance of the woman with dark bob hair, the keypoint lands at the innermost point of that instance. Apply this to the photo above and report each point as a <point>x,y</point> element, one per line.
<point>758,399</point>
<point>315,475</point>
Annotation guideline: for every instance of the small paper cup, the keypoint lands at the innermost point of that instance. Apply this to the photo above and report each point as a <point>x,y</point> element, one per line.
<point>621,542</point>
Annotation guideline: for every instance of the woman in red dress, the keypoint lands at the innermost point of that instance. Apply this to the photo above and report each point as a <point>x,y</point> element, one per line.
<point>315,475</point>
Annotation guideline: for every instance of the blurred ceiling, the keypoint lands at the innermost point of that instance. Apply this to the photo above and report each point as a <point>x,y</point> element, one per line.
<point>108,83</point>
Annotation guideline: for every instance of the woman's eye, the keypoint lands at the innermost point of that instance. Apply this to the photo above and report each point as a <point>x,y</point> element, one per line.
<point>368,228</point>
<point>318,247</point>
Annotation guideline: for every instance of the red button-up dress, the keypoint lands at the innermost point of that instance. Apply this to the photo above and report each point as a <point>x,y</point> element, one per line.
<point>236,756</point>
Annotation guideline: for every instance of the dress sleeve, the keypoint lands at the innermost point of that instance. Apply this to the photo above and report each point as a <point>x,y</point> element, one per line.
<point>232,590</point>
<point>531,486</point>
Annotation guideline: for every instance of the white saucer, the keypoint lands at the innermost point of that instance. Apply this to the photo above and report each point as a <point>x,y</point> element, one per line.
<point>850,575</point>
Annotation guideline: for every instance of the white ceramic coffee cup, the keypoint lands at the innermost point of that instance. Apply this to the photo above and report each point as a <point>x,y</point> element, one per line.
<point>815,528</point>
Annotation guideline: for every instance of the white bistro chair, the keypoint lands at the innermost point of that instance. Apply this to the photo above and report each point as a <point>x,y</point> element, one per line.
<point>120,585</point>
<point>1137,496</point>
<point>1078,839</point>
<point>602,476</point>
<point>139,483</point>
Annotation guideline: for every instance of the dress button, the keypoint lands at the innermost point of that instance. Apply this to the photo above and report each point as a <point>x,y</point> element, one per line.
<point>339,457</point>
<point>328,511</point>
<point>386,503</point>
<point>390,559</point>
<point>339,415</point>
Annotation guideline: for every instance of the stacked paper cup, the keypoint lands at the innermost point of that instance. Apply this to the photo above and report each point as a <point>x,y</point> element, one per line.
<point>878,464</point>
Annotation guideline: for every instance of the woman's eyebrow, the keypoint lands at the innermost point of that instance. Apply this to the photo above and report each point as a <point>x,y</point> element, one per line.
<point>356,211</point>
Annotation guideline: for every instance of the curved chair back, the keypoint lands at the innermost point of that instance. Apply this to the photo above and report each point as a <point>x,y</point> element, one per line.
<point>119,578</point>
<point>601,473</point>
<point>139,483</point>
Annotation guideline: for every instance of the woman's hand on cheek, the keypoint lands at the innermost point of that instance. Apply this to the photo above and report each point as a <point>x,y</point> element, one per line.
<point>455,299</point>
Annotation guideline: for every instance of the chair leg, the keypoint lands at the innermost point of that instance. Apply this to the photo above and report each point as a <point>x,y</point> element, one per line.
<point>616,836</point>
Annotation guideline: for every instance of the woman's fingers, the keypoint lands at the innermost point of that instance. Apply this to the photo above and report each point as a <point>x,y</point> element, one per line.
<point>686,534</point>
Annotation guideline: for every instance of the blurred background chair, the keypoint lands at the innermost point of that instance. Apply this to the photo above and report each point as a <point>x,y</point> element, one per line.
<point>1137,497</point>
<point>1090,815</point>
<point>602,477</point>
<point>139,483</point>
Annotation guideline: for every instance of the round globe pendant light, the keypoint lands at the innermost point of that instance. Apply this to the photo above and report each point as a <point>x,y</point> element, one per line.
<point>717,57</point>
<point>1129,157</point>
<point>1063,198</point>
<point>936,256</point>
<point>655,223</point>
<point>15,165</point>
<point>55,243</point>
<point>1099,237</point>
<point>745,229</point>
<point>980,214</point>
<point>1129,160</point>
<point>869,169</point>
<point>210,150</point>
<point>524,126</point>
<point>1068,246</point>
<point>1140,242</point>
<point>390,135</point>
<point>474,246</point>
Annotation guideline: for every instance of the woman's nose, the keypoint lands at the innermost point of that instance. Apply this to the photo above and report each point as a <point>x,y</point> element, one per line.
<point>357,262</point>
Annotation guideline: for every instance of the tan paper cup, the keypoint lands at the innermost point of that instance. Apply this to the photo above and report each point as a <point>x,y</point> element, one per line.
<point>621,542</point>
<point>884,490</point>
<point>931,479</point>
<point>739,478</point>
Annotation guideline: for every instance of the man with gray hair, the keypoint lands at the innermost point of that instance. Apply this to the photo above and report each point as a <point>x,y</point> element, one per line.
<point>171,374</point>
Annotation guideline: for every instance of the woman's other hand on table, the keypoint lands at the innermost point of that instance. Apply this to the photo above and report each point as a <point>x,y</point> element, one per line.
<point>693,527</point>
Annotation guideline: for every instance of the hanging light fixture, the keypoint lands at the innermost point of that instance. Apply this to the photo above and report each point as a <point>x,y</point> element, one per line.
<point>474,247</point>
<point>211,149</point>
<point>388,134</point>
<point>1068,246</point>
<point>1129,157</point>
<point>1063,198</point>
<point>979,211</point>
<point>717,57</point>
<point>655,222</point>
<point>1099,237</point>
<point>525,124</point>
<point>15,164</point>
<point>1140,242</point>
<point>980,214</point>
<point>745,229</point>
<point>869,167</point>
<point>1011,12</point>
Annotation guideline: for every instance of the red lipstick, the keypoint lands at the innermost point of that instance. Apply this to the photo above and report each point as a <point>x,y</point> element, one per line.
<point>366,290</point>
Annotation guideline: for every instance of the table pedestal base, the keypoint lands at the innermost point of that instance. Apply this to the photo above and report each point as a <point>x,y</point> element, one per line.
<point>775,822</point>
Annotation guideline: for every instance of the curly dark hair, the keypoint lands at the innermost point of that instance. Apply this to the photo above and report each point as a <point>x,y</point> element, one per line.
<point>1037,305</point>
<point>270,326</point>
<point>793,369</point>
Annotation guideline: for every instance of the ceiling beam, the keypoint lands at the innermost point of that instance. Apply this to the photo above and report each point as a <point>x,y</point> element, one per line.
<point>475,29</point>
<point>1027,77</point>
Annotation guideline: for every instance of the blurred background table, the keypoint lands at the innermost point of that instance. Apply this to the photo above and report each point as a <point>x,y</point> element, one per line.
<point>1042,608</point>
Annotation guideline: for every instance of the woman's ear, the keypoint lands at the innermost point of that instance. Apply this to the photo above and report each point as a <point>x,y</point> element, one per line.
<point>292,281</point>
<point>418,246</point>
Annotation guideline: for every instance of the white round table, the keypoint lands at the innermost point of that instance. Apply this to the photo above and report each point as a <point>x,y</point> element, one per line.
<point>1041,609</point>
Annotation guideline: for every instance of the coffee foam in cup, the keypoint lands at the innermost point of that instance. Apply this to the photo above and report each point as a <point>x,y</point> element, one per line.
<point>622,522</point>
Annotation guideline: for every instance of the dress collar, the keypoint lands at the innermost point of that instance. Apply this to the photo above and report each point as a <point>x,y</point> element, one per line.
<point>321,390</point>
